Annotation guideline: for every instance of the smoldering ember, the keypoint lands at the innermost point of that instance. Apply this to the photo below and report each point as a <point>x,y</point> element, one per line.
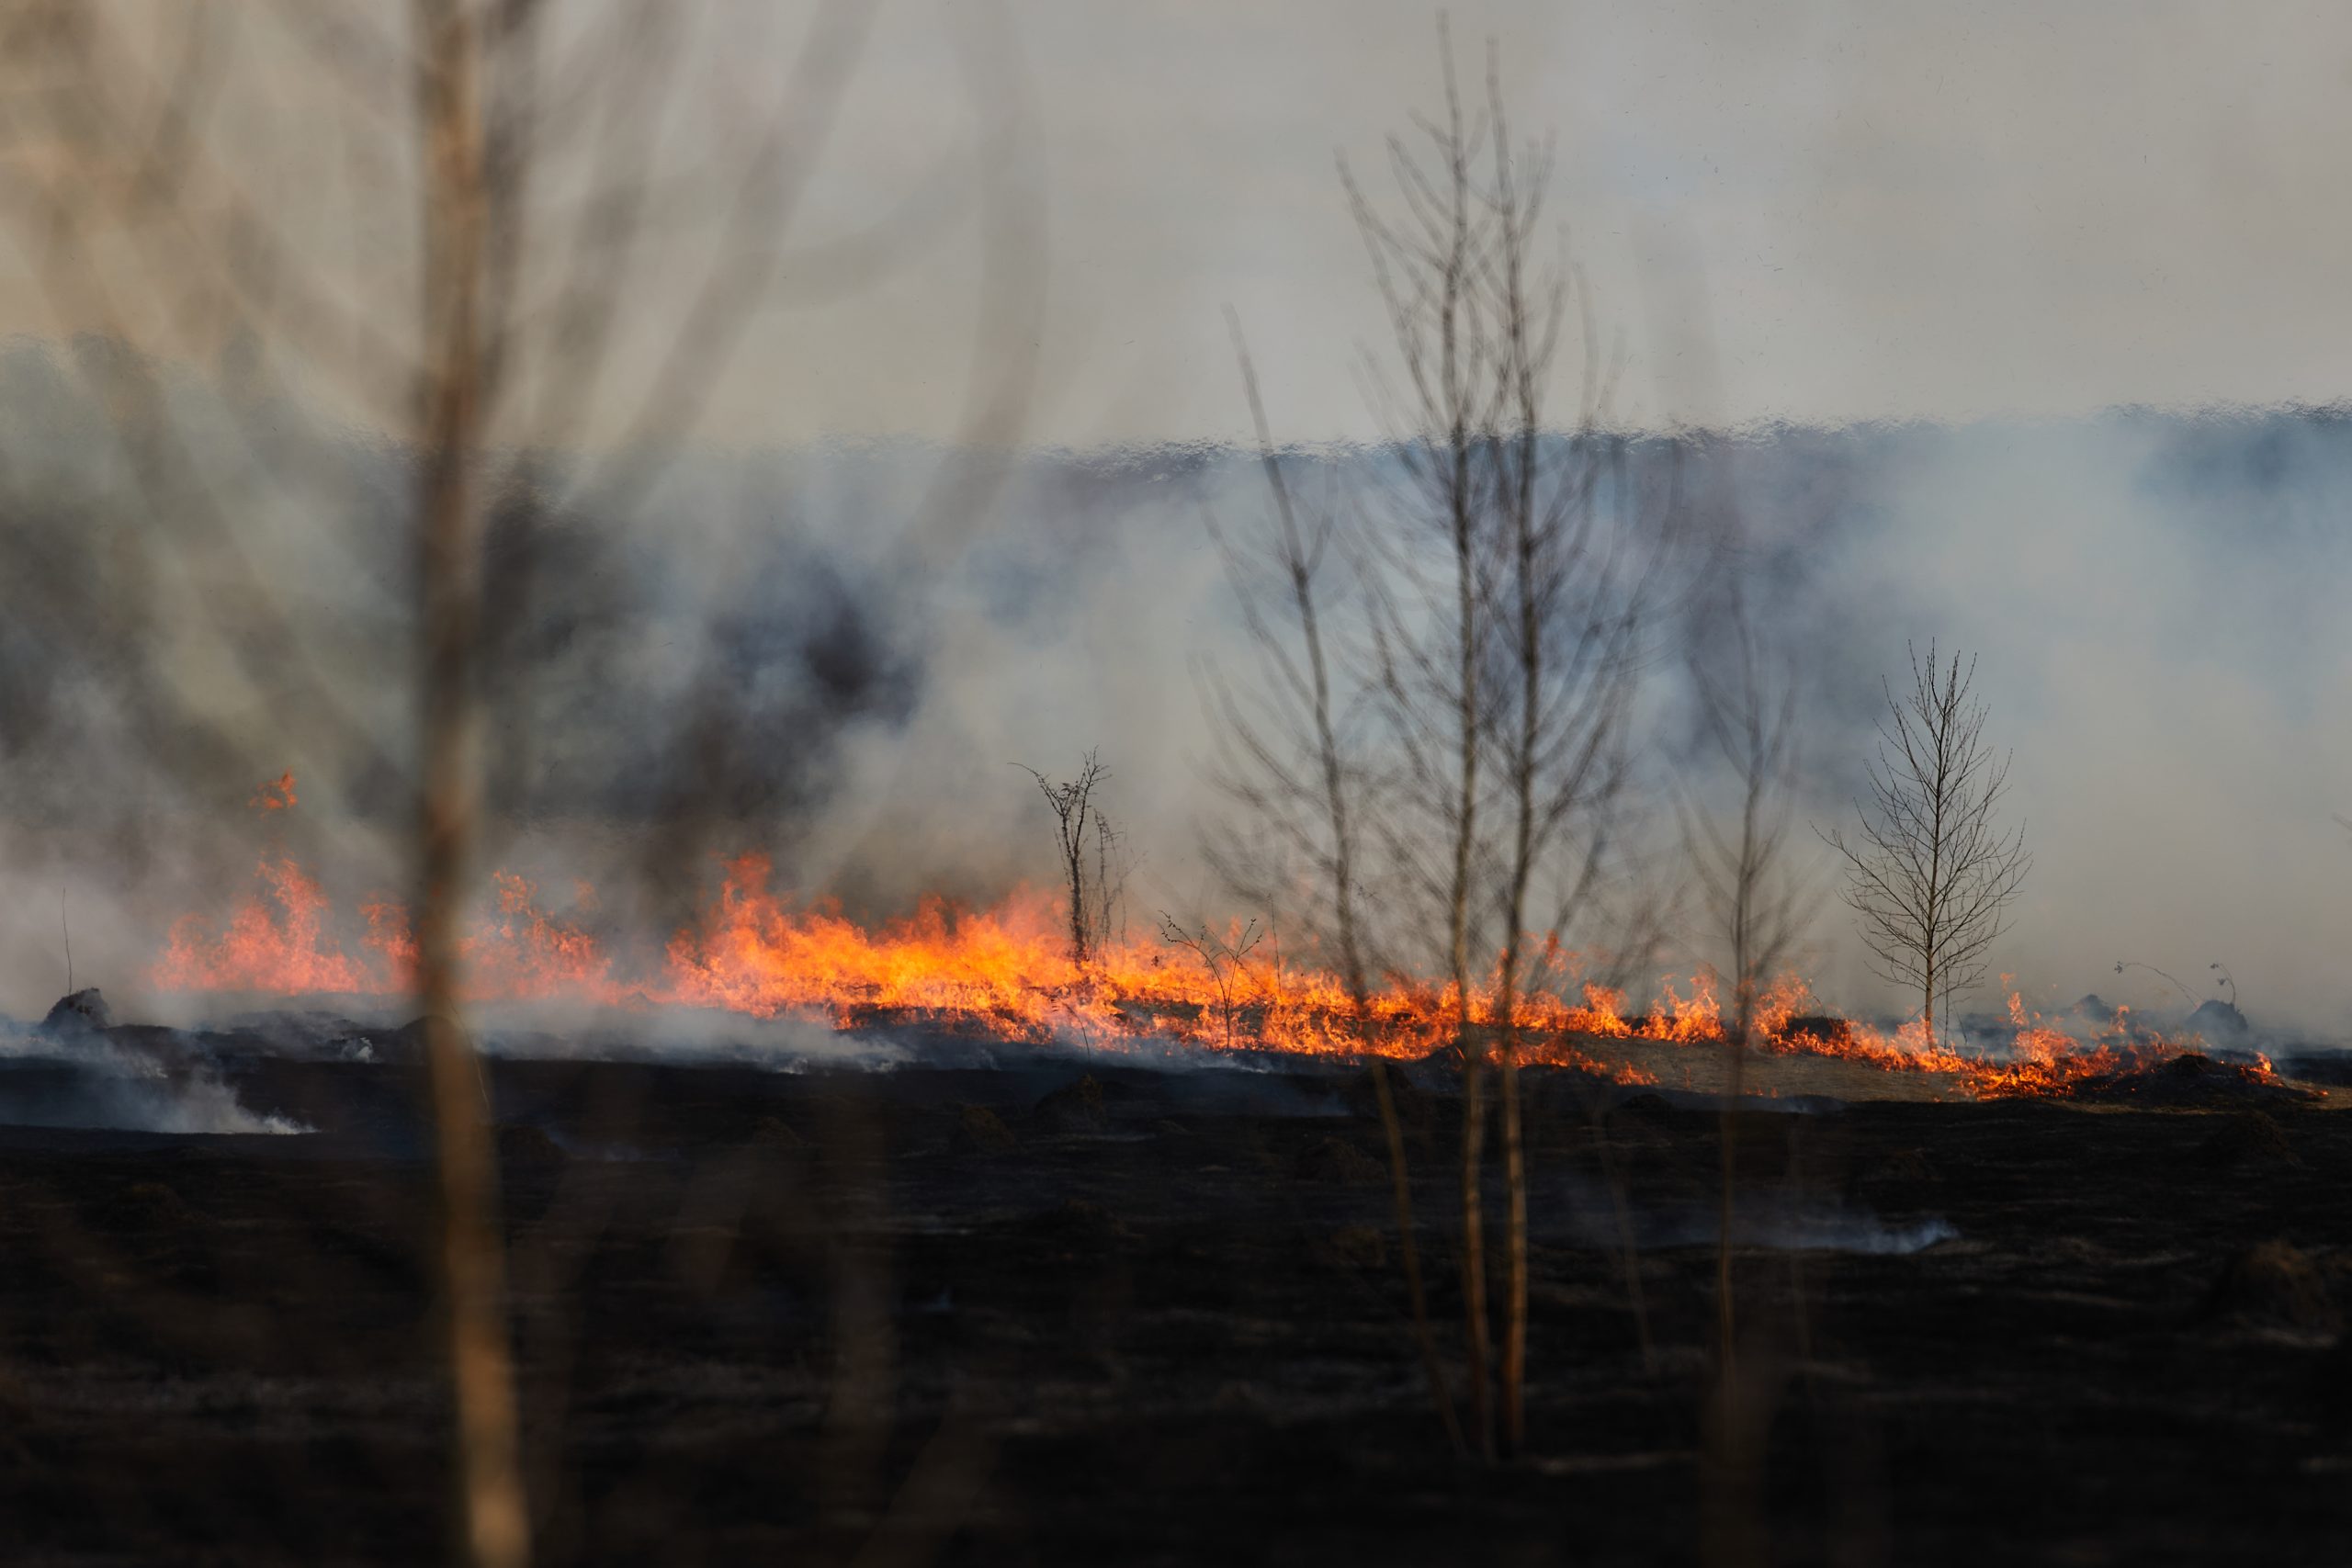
<point>1174,783</point>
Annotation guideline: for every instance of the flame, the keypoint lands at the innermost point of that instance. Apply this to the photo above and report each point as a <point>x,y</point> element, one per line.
<point>1603,1014</point>
<point>276,795</point>
<point>1007,973</point>
<point>1686,1022</point>
<point>275,941</point>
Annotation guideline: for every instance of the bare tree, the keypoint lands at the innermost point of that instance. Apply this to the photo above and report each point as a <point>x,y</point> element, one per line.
<point>1281,760</point>
<point>1572,571</point>
<point>1072,801</point>
<point>1758,905</point>
<point>1508,579</point>
<point>1430,251</point>
<point>1931,873</point>
<point>1223,957</point>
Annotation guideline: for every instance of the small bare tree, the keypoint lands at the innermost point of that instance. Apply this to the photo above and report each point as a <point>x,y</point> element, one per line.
<point>1932,873</point>
<point>1758,907</point>
<point>1280,760</point>
<point>1571,571</point>
<point>1073,804</point>
<point>1431,249</point>
<point>1223,957</point>
<point>1506,581</point>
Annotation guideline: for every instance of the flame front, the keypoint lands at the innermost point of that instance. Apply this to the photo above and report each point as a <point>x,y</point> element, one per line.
<point>1007,973</point>
<point>276,943</point>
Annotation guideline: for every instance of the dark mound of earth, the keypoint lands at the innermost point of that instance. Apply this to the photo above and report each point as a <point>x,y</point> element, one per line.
<point>1076,1108</point>
<point>1336,1160</point>
<point>2190,1080</point>
<point>2250,1139</point>
<point>2219,1022</point>
<point>2275,1284</point>
<point>83,1012</point>
<point>1819,1028</point>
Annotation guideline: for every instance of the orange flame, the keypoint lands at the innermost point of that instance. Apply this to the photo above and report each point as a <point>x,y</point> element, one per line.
<point>280,949</point>
<point>1007,973</point>
<point>277,942</point>
<point>276,795</point>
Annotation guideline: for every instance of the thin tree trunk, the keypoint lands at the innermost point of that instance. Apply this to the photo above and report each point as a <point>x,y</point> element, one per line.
<point>496,1522</point>
<point>1474,1125</point>
<point>1728,1136</point>
<point>1523,763</point>
<point>1474,1251</point>
<point>1401,1187</point>
<point>1514,1367</point>
<point>1298,560</point>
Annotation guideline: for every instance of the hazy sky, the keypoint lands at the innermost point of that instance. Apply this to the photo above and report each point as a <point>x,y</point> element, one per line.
<point>1819,212</point>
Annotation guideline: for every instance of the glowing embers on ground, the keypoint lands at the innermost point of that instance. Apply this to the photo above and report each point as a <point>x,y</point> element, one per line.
<point>1007,973</point>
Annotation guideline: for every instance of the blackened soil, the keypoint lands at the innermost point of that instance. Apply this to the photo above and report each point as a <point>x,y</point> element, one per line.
<point>1009,1318</point>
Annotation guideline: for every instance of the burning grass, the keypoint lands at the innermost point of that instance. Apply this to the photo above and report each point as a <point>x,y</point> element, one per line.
<point>1007,973</point>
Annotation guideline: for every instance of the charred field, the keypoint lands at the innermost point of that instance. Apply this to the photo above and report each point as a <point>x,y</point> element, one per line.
<point>1078,1308</point>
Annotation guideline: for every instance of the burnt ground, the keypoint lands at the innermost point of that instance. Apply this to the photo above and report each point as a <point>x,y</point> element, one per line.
<point>999,1315</point>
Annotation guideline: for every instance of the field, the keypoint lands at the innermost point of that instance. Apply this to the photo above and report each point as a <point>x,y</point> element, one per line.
<point>1088,1312</point>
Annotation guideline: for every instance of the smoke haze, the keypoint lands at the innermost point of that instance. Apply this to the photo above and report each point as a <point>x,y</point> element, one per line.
<point>734,664</point>
<point>828,623</point>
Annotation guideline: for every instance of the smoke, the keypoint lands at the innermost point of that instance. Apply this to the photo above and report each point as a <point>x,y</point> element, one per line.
<point>2150,598</point>
<point>90,1081</point>
<point>768,653</point>
<point>1779,1222</point>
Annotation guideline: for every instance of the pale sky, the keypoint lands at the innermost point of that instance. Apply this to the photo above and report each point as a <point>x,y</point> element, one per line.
<point>1817,212</point>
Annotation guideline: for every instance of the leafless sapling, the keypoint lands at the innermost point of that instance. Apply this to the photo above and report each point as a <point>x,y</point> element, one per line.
<point>1428,249</point>
<point>1758,907</point>
<point>1930,871</point>
<point>1572,571</point>
<point>1224,957</point>
<point>1282,763</point>
<point>1072,801</point>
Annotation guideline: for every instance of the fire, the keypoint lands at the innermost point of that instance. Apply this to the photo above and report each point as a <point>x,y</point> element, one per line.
<point>1008,973</point>
<point>276,794</point>
<point>2047,1061</point>
<point>1687,1022</point>
<point>1603,1014</point>
<point>273,942</point>
<point>277,942</point>
<point>755,954</point>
